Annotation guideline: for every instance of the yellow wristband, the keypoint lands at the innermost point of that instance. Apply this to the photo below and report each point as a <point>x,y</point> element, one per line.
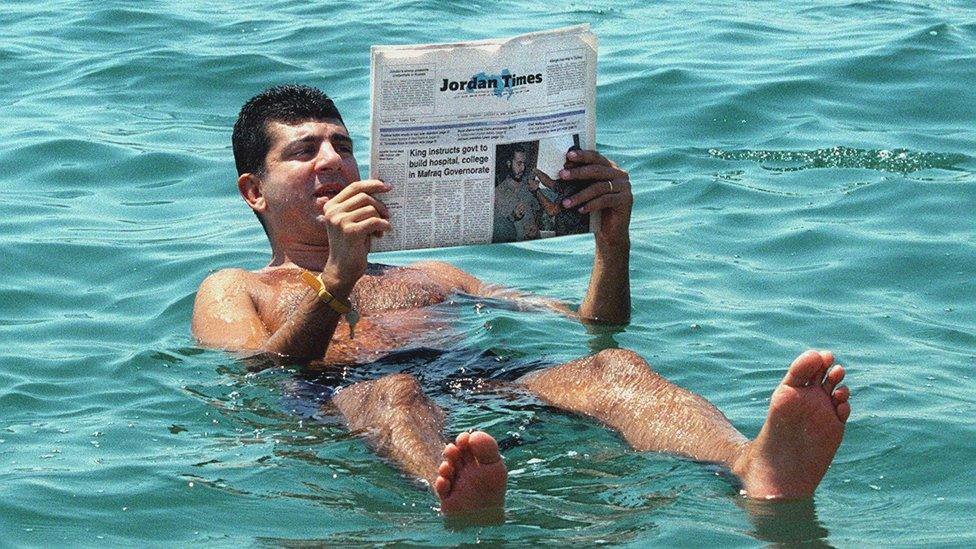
<point>315,282</point>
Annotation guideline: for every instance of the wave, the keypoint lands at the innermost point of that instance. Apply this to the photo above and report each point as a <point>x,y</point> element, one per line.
<point>896,160</point>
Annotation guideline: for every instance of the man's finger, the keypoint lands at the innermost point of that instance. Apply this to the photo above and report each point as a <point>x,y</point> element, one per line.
<point>368,186</point>
<point>354,202</point>
<point>620,187</point>
<point>601,203</point>
<point>365,212</point>
<point>371,225</point>
<point>587,157</point>
<point>591,172</point>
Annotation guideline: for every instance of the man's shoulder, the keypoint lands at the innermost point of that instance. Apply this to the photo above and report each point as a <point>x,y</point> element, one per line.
<point>230,275</point>
<point>227,280</point>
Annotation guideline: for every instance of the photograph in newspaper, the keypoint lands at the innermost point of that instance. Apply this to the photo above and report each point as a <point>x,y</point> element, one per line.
<point>518,213</point>
<point>472,135</point>
<point>529,194</point>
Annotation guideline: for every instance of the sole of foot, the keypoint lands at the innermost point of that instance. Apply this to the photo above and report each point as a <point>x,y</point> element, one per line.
<point>805,425</point>
<point>471,481</point>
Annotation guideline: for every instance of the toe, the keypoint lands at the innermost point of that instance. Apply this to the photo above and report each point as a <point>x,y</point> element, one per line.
<point>838,374</point>
<point>843,412</point>
<point>442,487</point>
<point>826,360</point>
<point>840,395</point>
<point>446,470</point>
<point>464,447</point>
<point>804,369</point>
<point>452,453</point>
<point>834,376</point>
<point>484,448</point>
<point>462,440</point>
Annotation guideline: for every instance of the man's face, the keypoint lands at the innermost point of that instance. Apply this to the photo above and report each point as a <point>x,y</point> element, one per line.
<point>307,164</point>
<point>517,165</point>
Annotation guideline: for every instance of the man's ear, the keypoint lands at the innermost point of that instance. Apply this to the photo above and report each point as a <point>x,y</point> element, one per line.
<point>249,186</point>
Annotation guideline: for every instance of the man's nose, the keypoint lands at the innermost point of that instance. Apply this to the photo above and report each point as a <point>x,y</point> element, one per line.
<point>328,158</point>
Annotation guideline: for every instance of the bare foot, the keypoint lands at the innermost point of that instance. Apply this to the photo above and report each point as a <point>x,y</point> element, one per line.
<point>472,476</point>
<point>802,431</point>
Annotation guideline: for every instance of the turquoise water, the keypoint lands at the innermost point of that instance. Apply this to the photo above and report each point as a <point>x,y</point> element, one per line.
<point>804,175</point>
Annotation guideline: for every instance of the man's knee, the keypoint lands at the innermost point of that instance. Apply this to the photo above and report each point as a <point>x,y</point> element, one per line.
<point>398,390</point>
<point>620,366</point>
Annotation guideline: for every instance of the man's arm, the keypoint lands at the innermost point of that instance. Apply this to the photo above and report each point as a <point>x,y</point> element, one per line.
<point>453,278</point>
<point>550,207</point>
<point>224,317</point>
<point>607,299</point>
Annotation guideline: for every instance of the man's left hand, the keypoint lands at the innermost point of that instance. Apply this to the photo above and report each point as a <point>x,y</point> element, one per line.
<point>607,191</point>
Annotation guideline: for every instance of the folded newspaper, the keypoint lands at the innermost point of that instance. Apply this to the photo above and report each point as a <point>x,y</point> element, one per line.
<point>472,136</point>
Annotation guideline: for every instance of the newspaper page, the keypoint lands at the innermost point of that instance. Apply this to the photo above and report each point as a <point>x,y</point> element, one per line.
<point>472,136</point>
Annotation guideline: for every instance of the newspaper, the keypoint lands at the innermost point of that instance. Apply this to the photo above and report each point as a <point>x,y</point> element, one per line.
<point>472,136</point>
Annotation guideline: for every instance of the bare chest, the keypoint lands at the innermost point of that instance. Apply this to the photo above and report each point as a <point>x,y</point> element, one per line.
<point>393,304</point>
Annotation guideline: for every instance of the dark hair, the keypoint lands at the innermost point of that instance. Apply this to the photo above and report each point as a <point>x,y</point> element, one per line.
<point>289,104</point>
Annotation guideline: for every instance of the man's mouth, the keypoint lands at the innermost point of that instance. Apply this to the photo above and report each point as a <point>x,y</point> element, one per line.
<point>328,190</point>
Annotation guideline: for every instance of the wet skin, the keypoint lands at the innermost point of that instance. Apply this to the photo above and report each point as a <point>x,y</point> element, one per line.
<point>320,217</point>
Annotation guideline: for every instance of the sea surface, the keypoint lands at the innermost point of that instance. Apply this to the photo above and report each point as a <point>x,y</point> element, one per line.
<point>804,173</point>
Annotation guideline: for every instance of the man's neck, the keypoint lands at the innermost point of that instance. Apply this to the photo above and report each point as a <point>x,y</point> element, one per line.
<point>301,255</point>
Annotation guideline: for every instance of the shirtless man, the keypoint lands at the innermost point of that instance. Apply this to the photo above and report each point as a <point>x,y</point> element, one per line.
<point>298,174</point>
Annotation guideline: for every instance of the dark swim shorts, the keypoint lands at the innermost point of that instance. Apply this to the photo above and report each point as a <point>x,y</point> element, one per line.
<point>438,372</point>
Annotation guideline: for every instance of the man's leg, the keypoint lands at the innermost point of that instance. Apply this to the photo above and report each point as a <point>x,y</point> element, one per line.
<point>787,459</point>
<point>405,426</point>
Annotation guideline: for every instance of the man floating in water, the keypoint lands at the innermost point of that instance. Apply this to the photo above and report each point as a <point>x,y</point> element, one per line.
<point>298,174</point>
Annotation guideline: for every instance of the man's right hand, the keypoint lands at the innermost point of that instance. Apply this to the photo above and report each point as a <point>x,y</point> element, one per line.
<point>352,217</point>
